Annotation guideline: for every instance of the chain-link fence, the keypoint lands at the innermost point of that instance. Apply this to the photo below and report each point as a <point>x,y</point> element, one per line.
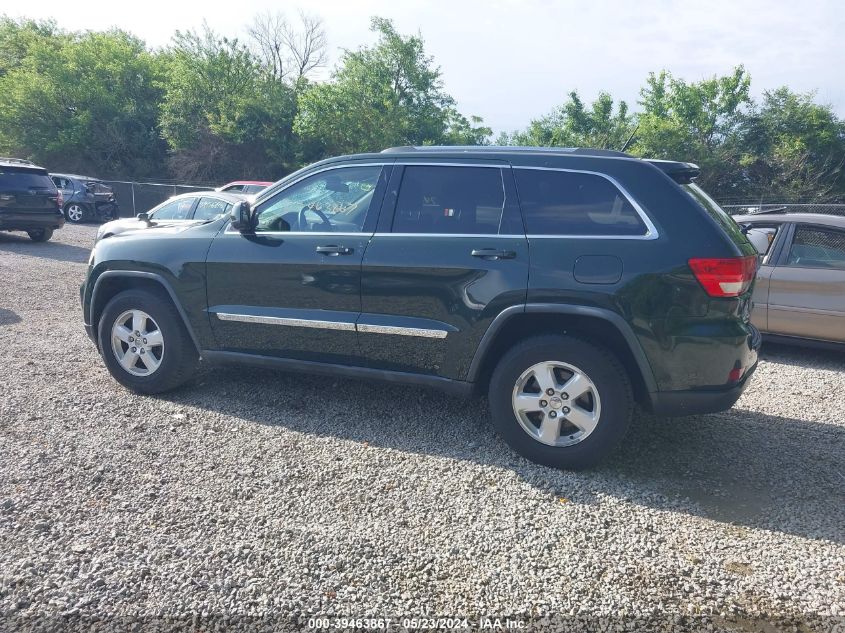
<point>136,197</point>
<point>787,207</point>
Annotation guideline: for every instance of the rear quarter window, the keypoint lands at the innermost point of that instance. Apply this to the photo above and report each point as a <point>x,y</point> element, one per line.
<point>575,203</point>
<point>711,207</point>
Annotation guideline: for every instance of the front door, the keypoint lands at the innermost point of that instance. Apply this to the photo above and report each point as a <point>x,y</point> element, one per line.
<point>292,288</point>
<point>441,267</point>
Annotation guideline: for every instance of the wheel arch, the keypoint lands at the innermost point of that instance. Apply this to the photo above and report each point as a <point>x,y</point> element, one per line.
<point>112,282</point>
<point>597,325</point>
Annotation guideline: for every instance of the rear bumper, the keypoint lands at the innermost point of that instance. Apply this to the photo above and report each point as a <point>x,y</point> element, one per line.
<point>706,400</point>
<point>695,402</point>
<point>31,220</point>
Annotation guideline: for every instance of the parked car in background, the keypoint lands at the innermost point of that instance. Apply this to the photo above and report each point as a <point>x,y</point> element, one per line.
<point>561,283</point>
<point>86,198</point>
<point>29,200</point>
<point>248,187</point>
<point>178,211</point>
<point>800,291</point>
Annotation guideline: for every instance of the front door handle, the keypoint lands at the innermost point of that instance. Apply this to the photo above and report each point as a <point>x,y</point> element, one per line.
<point>492,253</point>
<point>333,251</point>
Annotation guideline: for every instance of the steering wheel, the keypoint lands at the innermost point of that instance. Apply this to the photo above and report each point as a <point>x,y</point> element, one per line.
<point>302,222</point>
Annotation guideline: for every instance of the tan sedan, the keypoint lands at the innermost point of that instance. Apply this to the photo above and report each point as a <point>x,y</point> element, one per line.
<point>799,295</point>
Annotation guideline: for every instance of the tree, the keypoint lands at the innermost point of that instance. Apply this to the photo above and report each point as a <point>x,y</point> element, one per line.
<point>574,125</point>
<point>287,52</point>
<point>699,122</point>
<point>793,149</point>
<point>221,115</point>
<point>388,94</point>
<point>80,102</point>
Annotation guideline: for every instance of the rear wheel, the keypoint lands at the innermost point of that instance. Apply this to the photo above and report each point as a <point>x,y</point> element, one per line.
<point>75,212</point>
<point>40,235</point>
<point>144,343</point>
<point>560,401</point>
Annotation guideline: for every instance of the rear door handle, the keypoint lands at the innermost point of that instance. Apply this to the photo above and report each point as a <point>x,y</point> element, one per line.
<point>492,253</point>
<point>332,250</point>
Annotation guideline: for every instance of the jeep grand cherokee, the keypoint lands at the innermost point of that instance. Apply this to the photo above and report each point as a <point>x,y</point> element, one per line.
<point>566,284</point>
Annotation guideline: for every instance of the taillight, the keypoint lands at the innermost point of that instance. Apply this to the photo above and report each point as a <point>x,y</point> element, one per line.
<point>724,277</point>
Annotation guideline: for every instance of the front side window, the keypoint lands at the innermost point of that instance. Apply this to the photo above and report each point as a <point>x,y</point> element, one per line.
<point>814,247</point>
<point>762,237</point>
<point>336,200</point>
<point>450,200</point>
<point>210,208</point>
<point>574,203</point>
<point>175,210</point>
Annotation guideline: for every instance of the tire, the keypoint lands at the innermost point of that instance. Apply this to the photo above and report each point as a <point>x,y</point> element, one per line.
<point>606,405</point>
<point>40,235</point>
<point>176,357</point>
<point>75,212</point>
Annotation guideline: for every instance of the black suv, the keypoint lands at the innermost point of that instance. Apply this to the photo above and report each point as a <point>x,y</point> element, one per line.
<point>567,284</point>
<point>29,201</point>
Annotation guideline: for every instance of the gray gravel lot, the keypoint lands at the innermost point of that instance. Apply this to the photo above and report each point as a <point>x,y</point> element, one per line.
<point>254,493</point>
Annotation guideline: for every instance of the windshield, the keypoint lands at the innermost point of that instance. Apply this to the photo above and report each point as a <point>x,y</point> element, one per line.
<point>716,212</point>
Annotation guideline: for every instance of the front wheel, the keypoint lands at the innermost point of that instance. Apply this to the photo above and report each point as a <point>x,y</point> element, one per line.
<point>560,401</point>
<point>144,343</point>
<point>40,235</point>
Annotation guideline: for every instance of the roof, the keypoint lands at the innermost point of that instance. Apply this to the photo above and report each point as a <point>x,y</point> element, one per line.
<point>76,176</point>
<point>232,197</point>
<point>248,182</point>
<point>835,221</point>
<point>18,162</point>
<point>503,149</point>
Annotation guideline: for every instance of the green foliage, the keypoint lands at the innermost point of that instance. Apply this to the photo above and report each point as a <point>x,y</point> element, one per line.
<point>210,108</point>
<point>222,117</point>
<point>699,122</point>
<point>794,146</point>
<point>381,96</point>
<point>574,125</point>
<point>87,101</point>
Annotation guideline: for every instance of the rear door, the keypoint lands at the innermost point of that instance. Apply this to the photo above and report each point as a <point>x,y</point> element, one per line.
<point>26,190</point>
<point>807,287</point>
<point>449,255</point>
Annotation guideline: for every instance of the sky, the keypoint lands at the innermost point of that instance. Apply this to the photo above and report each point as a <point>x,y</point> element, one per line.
<point>509,61</point>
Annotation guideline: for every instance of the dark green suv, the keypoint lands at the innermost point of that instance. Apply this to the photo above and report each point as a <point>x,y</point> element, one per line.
<point>566,284</point>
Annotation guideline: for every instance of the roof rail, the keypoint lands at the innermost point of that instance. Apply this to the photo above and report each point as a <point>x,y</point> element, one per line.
<point>578,151</point>
<point>18,161</point>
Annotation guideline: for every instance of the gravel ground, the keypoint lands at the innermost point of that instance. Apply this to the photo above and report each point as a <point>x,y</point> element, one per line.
<point>268,498</point>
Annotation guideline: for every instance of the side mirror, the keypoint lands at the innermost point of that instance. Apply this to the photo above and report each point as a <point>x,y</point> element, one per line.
<point>143,217</point>
<point>241,217</point>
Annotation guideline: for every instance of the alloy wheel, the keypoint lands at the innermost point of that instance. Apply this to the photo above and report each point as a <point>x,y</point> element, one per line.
<point>137,343</point>
<point>556,403</point>
<point>75,213</point>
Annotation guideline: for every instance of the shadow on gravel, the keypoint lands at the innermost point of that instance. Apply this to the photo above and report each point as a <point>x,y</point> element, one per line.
<point>7,317</point>
<point>740,468</point>
<point>20,244</point>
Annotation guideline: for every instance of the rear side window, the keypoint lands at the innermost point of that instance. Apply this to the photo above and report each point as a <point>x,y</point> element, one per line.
<point>175,210</point>
<point>210,208</point>
<point>574,203</point>
<point>450,200</point>
<point>23,179</point>
<point>814,247</point>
